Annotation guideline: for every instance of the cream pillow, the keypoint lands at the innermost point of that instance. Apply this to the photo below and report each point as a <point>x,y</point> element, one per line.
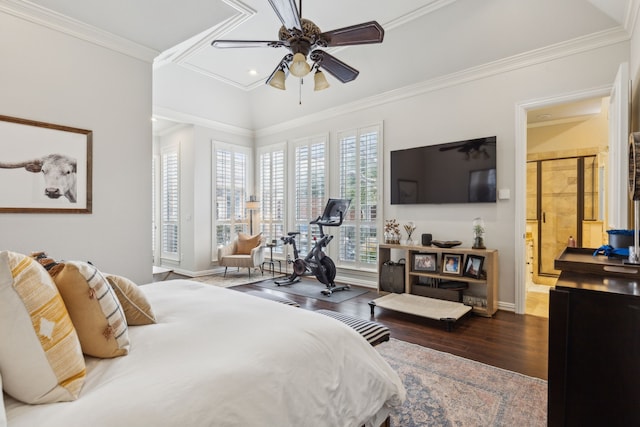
<point>136,307</point>
<point>94,309</point>
<point>246,243</point>
<point>40,357</point>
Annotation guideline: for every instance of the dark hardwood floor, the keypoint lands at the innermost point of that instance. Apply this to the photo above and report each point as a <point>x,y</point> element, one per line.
<point>507,340</point>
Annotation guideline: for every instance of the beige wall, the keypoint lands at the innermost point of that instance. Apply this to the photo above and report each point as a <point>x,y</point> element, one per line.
<point>577,134</point>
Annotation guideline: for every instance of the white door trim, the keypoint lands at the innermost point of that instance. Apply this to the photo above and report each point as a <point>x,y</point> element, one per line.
<point>522,109</point>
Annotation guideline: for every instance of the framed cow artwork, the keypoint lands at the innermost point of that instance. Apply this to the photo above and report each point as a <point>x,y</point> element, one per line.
<point>44,168</point>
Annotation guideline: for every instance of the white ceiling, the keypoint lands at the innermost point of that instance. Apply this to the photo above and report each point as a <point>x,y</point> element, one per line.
<point>424,39</point>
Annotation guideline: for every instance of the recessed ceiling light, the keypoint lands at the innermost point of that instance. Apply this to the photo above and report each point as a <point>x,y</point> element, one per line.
<point>253,72</point>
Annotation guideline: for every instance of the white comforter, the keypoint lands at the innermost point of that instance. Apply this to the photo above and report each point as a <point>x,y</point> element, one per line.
<point>218,357</point>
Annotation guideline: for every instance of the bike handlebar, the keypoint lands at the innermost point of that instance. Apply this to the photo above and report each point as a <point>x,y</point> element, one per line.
<point>329,222</point>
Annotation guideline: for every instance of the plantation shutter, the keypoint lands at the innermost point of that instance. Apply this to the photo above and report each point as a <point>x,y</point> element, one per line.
<point>272,195</point>
<point>230,193</point>
<point>359,181</point>
<point>170,205</point>
<point>309,187</point>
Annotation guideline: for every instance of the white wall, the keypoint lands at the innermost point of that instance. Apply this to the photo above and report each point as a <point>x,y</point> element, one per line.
<point>52,77</point>
<point>469,108</point>
<point>197,245</point>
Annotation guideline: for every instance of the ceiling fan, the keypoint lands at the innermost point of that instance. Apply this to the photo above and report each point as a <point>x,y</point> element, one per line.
<point>303,38</point>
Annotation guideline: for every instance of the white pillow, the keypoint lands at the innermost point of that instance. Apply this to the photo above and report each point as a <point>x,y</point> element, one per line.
<point>40,357</point>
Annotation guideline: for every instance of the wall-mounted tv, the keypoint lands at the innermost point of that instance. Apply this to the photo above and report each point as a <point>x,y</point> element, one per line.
<point>455,172</point>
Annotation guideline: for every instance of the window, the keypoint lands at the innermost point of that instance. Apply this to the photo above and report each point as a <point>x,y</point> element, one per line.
<point>170,208</point>
<point>309,187</point>
<point>359,181</point>
<point>272,193</point>
<point>154,210</point>
<point>230,191</point>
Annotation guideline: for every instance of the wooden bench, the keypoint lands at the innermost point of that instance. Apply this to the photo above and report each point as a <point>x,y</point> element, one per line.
<point>445,311</point>
<point>373,332</point>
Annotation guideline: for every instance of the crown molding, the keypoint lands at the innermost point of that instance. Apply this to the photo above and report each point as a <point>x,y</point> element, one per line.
<point>63,24</point>
<point>527,59</point>
<point>169,114</point>
<point>181,53</point>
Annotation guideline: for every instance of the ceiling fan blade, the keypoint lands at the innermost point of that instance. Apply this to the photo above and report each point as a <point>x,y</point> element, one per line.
<point>248,43</point>
<point>338,69</point>
<point>367,32</point>
<point>287,13</point>
<point>282,65</point>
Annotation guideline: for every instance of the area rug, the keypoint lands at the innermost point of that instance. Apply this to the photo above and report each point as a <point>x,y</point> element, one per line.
<point>235,277</point>
<point>447,390</point>
<point>311,288</point>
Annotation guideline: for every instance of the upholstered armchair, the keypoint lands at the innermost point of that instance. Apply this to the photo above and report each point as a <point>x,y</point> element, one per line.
<point>243,252</point>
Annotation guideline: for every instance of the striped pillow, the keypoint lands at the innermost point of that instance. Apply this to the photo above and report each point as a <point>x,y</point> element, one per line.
<point>94,309</point>
<point>40,356</point>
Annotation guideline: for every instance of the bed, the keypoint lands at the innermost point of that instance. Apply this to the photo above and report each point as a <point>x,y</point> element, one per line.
<point>218,357</point>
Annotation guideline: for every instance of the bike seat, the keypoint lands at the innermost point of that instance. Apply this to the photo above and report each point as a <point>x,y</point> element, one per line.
<point>293,233</point>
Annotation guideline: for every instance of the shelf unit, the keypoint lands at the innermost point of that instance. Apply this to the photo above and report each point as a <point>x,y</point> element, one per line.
<point>481,294</point>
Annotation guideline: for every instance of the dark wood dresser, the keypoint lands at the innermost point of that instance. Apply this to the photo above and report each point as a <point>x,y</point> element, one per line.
<point>594,342</point>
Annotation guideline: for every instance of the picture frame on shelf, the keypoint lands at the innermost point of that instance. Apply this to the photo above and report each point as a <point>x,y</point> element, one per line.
<point>451,264</point>
<point>473,266</point>
<point>425,262</point>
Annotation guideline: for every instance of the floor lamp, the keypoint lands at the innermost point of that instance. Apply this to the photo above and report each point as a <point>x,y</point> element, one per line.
<point>252,205</point>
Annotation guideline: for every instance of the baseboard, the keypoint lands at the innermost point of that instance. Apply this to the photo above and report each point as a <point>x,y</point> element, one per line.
<point>506,306</point>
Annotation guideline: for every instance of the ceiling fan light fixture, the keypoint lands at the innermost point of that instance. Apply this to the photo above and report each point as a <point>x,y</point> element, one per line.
<point>299,66</point>
<point>278,80</point>
<point>320,81</point>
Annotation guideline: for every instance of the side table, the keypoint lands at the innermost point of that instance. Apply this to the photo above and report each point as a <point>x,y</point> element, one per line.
<point>272,261</point>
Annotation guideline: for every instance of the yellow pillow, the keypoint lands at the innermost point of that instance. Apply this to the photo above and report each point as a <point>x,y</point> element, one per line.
<point>40,357</point>
<point>246,243</point>
<point>136,307</point>
<point>94,309</point>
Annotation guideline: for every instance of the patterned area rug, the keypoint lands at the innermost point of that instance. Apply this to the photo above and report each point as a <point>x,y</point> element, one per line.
<point>235,277</point>
<point>447,390</point>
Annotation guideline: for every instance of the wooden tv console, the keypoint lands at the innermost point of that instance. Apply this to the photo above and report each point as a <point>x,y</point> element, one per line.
<point>476,294</point>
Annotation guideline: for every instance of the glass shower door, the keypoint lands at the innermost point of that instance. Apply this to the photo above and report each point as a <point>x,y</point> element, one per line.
<point>558,215</point>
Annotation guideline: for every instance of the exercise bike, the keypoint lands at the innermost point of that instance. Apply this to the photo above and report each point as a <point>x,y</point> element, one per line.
<point>317,263</point>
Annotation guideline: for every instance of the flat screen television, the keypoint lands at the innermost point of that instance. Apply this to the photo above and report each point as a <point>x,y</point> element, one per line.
<point>455,172</point>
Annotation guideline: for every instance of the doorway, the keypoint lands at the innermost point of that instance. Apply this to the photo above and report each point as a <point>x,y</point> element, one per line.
<point>616,200</point>
<point>567,148</point>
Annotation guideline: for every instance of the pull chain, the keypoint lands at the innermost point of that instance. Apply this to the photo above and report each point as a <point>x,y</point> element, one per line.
<point>300,92</point>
